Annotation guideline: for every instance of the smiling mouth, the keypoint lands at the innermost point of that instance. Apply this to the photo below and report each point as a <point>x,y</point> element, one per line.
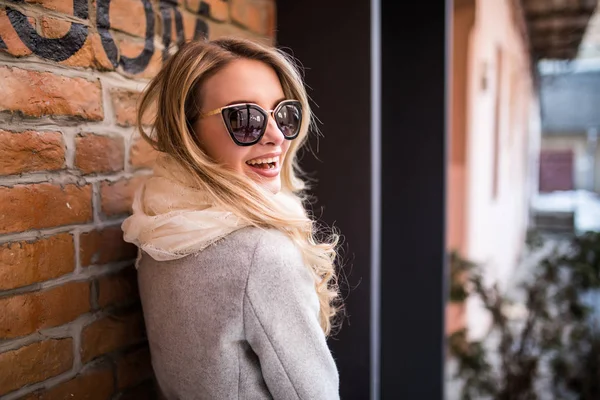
<point>264,163</point>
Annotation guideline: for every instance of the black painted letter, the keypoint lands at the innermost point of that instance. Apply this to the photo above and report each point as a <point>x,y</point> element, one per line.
<point>58,49</point>
<point>131,65</point>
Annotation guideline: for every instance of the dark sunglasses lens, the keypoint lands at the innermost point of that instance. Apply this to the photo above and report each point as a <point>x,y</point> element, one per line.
<point>288,118</point>
<point>246,123</point>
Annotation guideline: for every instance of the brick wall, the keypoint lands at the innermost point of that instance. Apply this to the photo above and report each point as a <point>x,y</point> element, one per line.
<point>70,74</point>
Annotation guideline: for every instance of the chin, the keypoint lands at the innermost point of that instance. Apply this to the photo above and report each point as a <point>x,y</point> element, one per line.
<point>270,184</point>
<point>273,186</point>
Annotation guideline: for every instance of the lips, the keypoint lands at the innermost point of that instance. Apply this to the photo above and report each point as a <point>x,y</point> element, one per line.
<point>267,165</point>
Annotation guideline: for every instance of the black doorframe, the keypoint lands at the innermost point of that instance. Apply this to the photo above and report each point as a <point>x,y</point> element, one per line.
<point>414,97</point>
<point>332,41</point>
<point>379,77</point>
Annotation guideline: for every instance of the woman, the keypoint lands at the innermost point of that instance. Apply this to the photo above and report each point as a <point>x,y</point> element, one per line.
<point>238,294</point>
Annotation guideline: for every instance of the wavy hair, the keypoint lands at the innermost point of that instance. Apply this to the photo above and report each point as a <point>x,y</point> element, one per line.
<point>174,92</point>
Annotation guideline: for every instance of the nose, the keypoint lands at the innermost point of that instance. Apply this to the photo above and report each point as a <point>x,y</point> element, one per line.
<point>273,135</point>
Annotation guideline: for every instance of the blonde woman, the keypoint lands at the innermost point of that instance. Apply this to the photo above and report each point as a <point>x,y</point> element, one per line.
<point>238,292</point>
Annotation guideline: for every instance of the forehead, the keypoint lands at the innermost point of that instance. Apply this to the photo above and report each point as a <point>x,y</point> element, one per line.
<point>242,80</point>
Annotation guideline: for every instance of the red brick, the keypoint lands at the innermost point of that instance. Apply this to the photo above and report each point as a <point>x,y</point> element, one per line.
<point>24,263</point>
<point>256,15</point>
<point>215,9</point>
<point>96,154</point>
<point>128,16</point>
<point>26,313</point>
<point>43,205</point>
<point>34,363</point>
<point>134,368</point>
<point>14,44</point>
<point>36,94</point>
<point>111,333</point>
<point>218,30</point>
<point>142,154</point>
<point>118,288</point>
<point>54,28</point>
<point>65,7</point>
<point>117,197</point>
<point>30,151</point>
<point>90,55</point>
<point>189,25</point>
<point>125,104</point>
<point>105,246</point>
<point>94,384</point>
<point>101,60</point>
<point>132,49</point>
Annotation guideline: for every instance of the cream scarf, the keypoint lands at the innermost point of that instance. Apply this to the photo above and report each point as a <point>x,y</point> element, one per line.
<point>172,219</point>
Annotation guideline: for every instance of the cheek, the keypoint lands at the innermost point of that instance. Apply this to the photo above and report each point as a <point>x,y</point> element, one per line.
<point>217,143</point>
<point>235,158</point>
<point>286,146</point>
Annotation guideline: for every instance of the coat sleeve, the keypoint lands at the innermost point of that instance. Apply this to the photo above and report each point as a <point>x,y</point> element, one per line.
<point>281,322</point>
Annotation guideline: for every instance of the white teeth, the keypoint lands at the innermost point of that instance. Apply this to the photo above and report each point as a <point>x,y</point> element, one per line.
<point>263,160</point>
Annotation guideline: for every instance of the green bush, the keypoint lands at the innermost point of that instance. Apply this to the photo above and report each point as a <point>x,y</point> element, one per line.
<point>557,328</point>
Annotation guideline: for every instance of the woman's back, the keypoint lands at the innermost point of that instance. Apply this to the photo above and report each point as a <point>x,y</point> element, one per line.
<point>238,320</point>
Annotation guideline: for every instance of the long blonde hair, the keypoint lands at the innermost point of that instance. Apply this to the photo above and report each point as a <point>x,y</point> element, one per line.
<point>174,92</point>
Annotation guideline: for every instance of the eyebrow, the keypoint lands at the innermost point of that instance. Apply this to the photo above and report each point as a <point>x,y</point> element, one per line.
<point>254,102</point>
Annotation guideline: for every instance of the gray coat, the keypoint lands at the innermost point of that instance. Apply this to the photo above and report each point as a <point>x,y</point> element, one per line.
<point>238,320</point>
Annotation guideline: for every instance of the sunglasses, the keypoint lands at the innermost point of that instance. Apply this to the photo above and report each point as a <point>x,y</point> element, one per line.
<point>247,122</point>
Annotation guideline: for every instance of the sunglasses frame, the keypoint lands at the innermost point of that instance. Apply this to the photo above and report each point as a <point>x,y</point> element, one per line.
<point>265,113</point>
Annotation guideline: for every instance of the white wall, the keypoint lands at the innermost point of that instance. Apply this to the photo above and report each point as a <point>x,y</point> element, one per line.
<point>496,225</point>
